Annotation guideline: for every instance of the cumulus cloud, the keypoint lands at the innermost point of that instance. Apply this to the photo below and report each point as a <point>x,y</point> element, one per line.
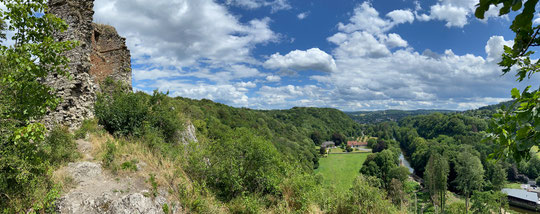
<point>297,60</point>
<point>401,16</point>
<point>456,13</point>
<point>273,78</point>
<point>372,75</point>
<point>183,33</point>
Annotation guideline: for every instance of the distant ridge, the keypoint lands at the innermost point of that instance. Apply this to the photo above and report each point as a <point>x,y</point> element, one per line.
<point>365,117</point>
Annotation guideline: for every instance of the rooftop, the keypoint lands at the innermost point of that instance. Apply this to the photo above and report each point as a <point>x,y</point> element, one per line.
<point>521,194</point>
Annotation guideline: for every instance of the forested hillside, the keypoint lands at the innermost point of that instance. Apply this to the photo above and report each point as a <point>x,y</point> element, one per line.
<point>365,117</point>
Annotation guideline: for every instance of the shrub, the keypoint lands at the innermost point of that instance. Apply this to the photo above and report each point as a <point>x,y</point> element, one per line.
<point>122,113</point>
<point>245,205</point>
<point>243,162</point>
<point>130,165</point>
<point>62,146</point>
<point>87,126</point>
<point>110,154</point>
<point>134,113</point>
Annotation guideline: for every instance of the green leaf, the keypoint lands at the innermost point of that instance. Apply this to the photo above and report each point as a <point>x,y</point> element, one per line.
<point>515,93</point>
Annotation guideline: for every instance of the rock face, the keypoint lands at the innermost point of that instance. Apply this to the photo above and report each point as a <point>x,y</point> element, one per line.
<point>110,56</point>
<point>188,135</point>
<point>79,93</point>
<point>102,53</point>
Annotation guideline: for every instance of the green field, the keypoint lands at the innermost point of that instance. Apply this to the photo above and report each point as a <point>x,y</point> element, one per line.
<point>340,170</point>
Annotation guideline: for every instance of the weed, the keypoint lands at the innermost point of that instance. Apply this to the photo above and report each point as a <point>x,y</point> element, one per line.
<point>130,165</point>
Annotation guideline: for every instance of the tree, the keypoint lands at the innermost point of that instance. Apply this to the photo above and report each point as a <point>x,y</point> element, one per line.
<point>338,138</point>
<point>489,202</point>
<point>515,129</point>
<point>25,99</point>
<point>322,150</point>
<point>379,165</point>
<point>317,138</point>
<point>436,176</point>
<point>470,175</point>
<point>381,145</point>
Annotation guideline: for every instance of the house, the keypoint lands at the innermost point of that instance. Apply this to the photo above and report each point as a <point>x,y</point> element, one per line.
<point>522,198</point>
<point>356,144</point>
<point>328,144</point>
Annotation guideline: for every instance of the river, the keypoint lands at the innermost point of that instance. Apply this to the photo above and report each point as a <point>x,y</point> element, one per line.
<point>403,161</point>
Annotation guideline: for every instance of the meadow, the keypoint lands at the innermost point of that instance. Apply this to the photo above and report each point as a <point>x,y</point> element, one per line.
<point>340,170</point>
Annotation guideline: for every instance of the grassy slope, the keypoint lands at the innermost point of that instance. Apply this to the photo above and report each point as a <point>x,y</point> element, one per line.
<point>340,170</point>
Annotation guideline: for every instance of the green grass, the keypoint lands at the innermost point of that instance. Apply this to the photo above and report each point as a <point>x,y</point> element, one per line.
<point>340,170</point>
<point>513,185</point>
<point>341,151</point>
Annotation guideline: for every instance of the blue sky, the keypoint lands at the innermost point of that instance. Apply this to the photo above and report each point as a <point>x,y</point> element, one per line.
<point>350,55</point>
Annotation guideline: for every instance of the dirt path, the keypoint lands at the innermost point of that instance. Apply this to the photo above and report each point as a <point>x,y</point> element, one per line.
<point>97,191</point>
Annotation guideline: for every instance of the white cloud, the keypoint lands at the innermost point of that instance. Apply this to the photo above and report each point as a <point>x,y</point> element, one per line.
<point>297,60</point>
<point>453,15</point>
<point>493,47</point>
<point>302,15</point>
<point>456,13</point>
<point>401,16</point>
<point>273,78</point>
<point>371,75</point>
<point>204,32</point>
<point>276,5</point>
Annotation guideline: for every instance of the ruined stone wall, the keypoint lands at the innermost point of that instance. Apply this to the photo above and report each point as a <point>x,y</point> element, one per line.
<point>101,53</point>
<point>110,56</point>
<point>79,93</point>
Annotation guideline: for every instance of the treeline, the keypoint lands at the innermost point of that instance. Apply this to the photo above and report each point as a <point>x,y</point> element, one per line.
<point>371,117</point>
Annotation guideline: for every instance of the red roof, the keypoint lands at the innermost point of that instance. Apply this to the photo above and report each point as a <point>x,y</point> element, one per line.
<point>356,143</point>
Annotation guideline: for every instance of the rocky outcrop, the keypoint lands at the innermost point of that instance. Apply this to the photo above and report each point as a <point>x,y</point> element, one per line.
<point>110,56</point>
<point>101,53</point>
<point>78,94</point>
<point>188,135</point>
<point>98,192</point>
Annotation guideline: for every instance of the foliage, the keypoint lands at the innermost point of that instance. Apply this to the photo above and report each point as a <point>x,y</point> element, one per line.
<point>87,126</point>
<point>436,177</point>
<point>61,147</point>
<point>130,165</point>
<point>470,175</point>
<point>110,154</point>
<point>24,154</point>
<point>489,202</point>
<point>129,114</point>
<point>244,163</point>
<point>380,165</point>
<point>364,198</point>
<point>516,131</point>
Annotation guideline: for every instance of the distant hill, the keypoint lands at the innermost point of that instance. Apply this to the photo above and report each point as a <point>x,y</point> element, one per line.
<point>366,117</point>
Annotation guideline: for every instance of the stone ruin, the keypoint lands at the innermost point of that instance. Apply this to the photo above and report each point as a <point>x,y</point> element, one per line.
<point>101,53</point>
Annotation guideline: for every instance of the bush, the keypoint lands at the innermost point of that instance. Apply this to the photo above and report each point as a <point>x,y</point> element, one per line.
<point>110,154</point>
<point>62,146</point>
<point>244,163</point>
<point>122,113</point>
<point>133,113</point>
<point>87,126</point>
<point>130,165</point>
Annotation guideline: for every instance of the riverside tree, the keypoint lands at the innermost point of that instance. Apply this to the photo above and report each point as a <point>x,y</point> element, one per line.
<point>436,176</point>
<point>31,55</point>
<point>517,128</point>
<point>470,175</point>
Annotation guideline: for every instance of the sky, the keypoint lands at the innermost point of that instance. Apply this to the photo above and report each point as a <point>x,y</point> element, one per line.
<point>351,55</point>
